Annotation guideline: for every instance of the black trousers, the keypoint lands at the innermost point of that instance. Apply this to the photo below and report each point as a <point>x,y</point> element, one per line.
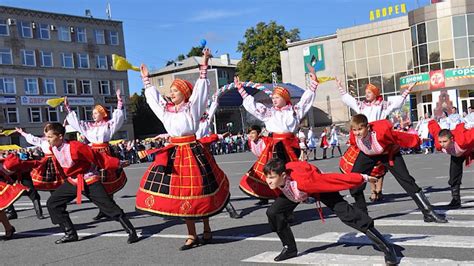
<point>32,193</point>
<point>364,165</point>
<point>455,171</point>
<point>58,201</point>
<point>279,211</point>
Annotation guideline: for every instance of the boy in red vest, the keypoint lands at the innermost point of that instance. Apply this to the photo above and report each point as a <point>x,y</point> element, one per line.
<point>298,180</point>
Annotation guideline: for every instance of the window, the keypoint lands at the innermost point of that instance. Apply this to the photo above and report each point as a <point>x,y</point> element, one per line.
<point>470,24</point>
<point>349,50</point>
<point>83,60</point>
<point>69,86</point>
<point>86,87</point>
<point>432,30</point>
<point>459,26</point>
<point>460,48</point>
<point>86,113</point>
<point>160,83</point>
<point>49,86</point>
<point>373,46</point>
<point>421,28</point>
<point>446,48</point>
<point>423,53</point>
<point>4,30</point>
<point>433,52</point>
<point>44,31</point>
<point>28,58</point>
<point>360,49</point>
<point>118,85</point>
<point>81,35</point>
<point>7,85</point>
<point>34,114</point>
<point>25,29</point>
<point>102,62</point>
<point>385,44</point>
<point>11,115</point>
<point>104,87</point>
<point>46,59</point>
<point>374,66</point>
<point>114,38</point>
<point>53,115</point>
<point>67,60</point>
<point>362,70</point>
<point>75,109</point>
<point>31,86</point>
<point>64,34</point>
<point>445,28</point>
<point>6,56</point>
<point>99,36</point>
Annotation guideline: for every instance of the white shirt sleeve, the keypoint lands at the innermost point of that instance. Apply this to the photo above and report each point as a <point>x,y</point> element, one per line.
<point>350,101</point>
<point>198,99</point>
<point>394,105</point>
<point>75,123</point>
<point>254,108</point>
<point>305,103</point>
<point>116,121</point>
<point>33,140</point>
<point>156,102</point>
<point>212,110</point>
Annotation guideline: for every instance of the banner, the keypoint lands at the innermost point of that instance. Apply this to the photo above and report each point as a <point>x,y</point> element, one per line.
<point>314,56</point>
<point>387,11</point>
<point>7,100</point>
<point>437,80</point>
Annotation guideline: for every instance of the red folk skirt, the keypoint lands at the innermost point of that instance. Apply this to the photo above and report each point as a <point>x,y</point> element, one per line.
<point>9,193</point>
<point>281,145</point>
<point>48,175</point>
<point>183,181</point>
<point>347,162</point>
<point>113,180</point>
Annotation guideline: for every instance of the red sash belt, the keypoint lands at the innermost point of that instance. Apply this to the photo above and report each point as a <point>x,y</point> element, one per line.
<point>79,183</point>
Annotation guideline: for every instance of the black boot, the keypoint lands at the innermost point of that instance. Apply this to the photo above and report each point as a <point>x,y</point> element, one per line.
<point>38,209</point>
<point>289,245</point>
<point>383,245</point>
<point>262,202</point>
<point>10,212</point>
<point>127,225</point>
<point>70,232</point>
<point>99,216</point>
<point>456,201</point>
<point>429,215</point>
<point>232,212</point>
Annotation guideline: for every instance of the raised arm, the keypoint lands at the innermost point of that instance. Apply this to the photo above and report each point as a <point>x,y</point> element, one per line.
<point>73,120</point>
<point>307,99</point>
<point>33,140</point>
<point>398,101</point>
<point>153,98</point>
<point>198,99</point>
<point>117,119</point>
<point>346,98</point>
<point>256,109</point>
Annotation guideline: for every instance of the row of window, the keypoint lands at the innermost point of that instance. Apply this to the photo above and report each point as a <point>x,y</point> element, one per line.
<point>68,60</point>
<point>32,86</point>
<point>48,114</point>
<point>42,31</point>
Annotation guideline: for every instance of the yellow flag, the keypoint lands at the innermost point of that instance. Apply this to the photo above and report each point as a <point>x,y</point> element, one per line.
<point>8,132</point>
<point>121,64</point>
<point>54,102</point>
<point>325,79</point>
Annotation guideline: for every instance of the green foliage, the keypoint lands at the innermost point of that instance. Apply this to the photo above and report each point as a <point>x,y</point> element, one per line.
<point>145,121</point>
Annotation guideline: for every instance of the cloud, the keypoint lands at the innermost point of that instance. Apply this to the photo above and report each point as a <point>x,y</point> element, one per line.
<point>205,15</point>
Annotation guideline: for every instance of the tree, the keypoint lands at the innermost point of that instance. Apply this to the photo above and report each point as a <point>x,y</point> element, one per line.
<point>195,51</point>
<point>261,51</point>
<point>145,121</point>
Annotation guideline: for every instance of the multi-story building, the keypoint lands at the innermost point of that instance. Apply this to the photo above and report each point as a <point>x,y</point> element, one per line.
<point>46,55</point>
<point>433,44</point>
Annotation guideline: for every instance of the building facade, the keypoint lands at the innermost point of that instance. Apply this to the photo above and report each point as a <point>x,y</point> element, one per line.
<point>47,55</point>
<point>433,45</point>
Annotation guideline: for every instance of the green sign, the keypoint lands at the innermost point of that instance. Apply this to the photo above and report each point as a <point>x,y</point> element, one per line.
<point>465,72</point>
<point>420,78</point>
<point>314,55</point>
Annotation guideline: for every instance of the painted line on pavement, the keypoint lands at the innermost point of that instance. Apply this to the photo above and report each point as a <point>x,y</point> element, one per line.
<point>342,259</point>
<point>421,223</point>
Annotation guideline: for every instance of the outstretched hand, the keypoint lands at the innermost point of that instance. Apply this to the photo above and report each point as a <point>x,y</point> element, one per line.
<point>410,88</point>
<point>206,53</point>
<point>339,83</point>
<point>312,72</point>
<point>144,71</point>
<point>19,130</point>
<point>237,82</point>
<point>118,92</point>
<point>66,102</point>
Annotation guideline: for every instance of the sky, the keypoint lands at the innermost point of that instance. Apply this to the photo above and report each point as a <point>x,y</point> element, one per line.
<point>158,31</point>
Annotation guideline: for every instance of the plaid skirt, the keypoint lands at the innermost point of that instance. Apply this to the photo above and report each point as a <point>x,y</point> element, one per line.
<point>347,162</point>
<point>183,181</point>
<point>9,193</point>
<point>279,145</point>
<point>113,180</point>
<point>48,175</point>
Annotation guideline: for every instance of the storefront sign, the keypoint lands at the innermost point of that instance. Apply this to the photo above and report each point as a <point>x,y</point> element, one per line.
<point>454,73</point>
<point>387,11</point>
<point>41,100</point>
<point>437,80</point>
<point>420,78</point>
<point>7,100</point>
<point>108,99</point>
<point>314,56</point>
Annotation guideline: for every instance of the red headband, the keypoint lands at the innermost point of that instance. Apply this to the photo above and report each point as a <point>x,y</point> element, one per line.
<point>184,86</point>
<point>284,93</point>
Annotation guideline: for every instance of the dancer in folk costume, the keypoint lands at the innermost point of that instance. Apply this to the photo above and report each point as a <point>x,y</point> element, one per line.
<point>424,133</point>
<point>99,133</point>
<point>11,169</point>
<point>48,175</point>
<point>374,107</point>
<point>459,143</point>
<point>378,141</point>
<point>312,143</point>
<point>303,145</point>
<point>334,140</point>
<point>282,121</point>
<point>80,164</point>
<point>324,144</point>
<point>300,180</point>
<point>454,118</point>
<point>184,180</point>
